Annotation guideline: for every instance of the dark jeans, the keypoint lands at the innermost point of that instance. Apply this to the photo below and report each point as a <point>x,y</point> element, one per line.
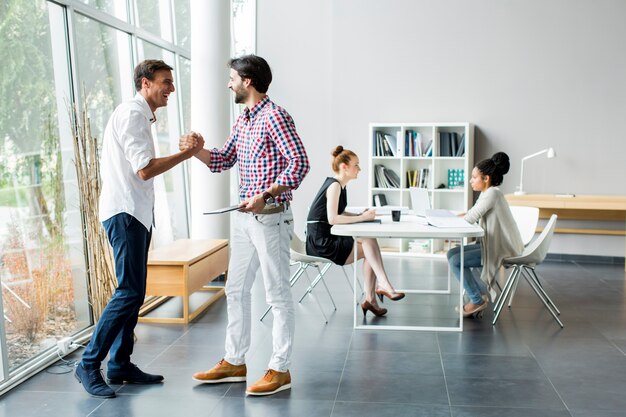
<point>130,241</point>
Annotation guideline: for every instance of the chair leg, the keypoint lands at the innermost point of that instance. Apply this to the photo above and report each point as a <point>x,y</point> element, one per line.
<point>513,277</point>
<point>533,274</point>
<point>513,292</point>
<point>321,274</point>
<point>292,281</point>
<point>533,285</point>
<point>317,279</point>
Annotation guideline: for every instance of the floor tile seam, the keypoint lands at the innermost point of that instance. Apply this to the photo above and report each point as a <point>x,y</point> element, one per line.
<point>169,346</point>
<point>484,354</point>
<point>343,370</point>
<point>159,355</point>
<point>616,346</point>
<point>549,380</point>
<point>217,403</point>
<point>99,405</point>
<point>445,379</point>
<point>512,407</point>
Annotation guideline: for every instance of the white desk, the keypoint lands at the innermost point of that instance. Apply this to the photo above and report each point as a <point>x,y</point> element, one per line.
<point>408,227</point>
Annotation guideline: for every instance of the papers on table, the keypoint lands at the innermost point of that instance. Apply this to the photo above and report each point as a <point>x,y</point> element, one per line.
<point>384,210</point>
<point>224,210</point>
<point>447,221</point>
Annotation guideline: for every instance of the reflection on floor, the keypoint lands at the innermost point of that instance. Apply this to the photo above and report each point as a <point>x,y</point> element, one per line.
<point>526,365</point>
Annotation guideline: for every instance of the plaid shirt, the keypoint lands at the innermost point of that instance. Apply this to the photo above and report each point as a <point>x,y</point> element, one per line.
<point>265,142</point>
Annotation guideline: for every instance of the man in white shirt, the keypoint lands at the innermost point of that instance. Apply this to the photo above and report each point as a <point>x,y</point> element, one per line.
<point>128,166</point>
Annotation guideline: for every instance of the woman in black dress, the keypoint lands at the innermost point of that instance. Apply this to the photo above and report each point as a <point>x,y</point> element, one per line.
<point>327,210</point>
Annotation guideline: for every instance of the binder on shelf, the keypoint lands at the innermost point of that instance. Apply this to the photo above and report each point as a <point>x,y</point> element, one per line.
<point>385,177</point>
<point>461,150</point>
<point>444,144</point>
<point>454,144</point>
<point>379,200</point>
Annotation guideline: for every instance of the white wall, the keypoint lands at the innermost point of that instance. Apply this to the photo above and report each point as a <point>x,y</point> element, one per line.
<point>529,74</point>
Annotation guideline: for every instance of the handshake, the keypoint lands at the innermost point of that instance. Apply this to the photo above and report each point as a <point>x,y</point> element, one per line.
<point>192,141</point>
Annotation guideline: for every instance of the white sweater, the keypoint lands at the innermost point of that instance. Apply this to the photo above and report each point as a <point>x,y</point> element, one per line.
<point>502,238</point>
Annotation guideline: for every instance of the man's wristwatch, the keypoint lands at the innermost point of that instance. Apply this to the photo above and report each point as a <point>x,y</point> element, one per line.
<point>268,198</point>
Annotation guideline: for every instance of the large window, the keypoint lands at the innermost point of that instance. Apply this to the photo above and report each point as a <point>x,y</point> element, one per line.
<point>54,54</point>
<point>42,267</point>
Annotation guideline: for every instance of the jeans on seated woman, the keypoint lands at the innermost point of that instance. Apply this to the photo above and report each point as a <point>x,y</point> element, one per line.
<point>471,258</point>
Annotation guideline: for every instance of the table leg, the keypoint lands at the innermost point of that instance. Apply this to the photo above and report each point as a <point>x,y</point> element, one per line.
<point>461,284</point>
<point>356,257</point>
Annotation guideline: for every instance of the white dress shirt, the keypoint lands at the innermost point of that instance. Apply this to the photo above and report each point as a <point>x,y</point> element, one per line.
<point>127,148</point>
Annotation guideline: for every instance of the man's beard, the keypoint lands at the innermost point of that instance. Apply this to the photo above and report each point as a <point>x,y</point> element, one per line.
<point>240,97</point>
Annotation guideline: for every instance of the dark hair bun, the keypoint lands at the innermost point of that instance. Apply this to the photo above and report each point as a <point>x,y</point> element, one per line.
<point>337,150</point>
<point>501,161</point>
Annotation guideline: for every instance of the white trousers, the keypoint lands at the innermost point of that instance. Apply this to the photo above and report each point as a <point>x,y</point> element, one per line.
<point>260,241</point>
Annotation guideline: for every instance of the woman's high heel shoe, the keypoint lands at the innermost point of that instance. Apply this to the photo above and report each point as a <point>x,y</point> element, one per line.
<point>394,296</point>
<point>366,305</point>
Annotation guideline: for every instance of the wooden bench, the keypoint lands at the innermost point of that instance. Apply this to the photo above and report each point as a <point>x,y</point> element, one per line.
<point>181,269</point>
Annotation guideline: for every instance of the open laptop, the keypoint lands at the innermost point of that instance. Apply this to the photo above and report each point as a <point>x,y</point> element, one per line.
<point>420,201</point>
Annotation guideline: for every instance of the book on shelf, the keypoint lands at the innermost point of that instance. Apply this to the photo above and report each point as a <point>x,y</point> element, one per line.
<point>444,144</point>
<point>451,144</point>
<point>417,178</point>
<point>454,143</point>
<point>423,178</point>
<point>461,148</point>
<point>379,200</point>
<point>386,144</point>
<point>413,143</point>
<point>386,178</point>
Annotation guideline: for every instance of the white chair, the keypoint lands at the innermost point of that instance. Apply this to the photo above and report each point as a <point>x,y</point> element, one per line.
<point>526,219</point>
<point>524,265</point>
<point>304,261</point>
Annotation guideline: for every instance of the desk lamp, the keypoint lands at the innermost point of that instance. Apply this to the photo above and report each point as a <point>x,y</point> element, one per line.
<point>550,154</point>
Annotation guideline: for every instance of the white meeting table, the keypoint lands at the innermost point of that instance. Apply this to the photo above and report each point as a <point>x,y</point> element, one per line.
<point>409,226</point>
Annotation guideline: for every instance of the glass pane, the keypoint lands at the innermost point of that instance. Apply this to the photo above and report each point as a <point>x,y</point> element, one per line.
<point>42,267</point>
<point>155,17</point>
<point>183,23</point>
<point>104,69</point>
<point>116,8</point>
<point>244,27</point>
<point>170,200</point>
<point>184,91</point>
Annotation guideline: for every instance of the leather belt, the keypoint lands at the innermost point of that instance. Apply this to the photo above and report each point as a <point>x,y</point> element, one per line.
<point>275,208</point>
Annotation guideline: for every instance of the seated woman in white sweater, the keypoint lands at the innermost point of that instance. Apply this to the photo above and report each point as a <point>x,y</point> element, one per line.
<point>501,240</point>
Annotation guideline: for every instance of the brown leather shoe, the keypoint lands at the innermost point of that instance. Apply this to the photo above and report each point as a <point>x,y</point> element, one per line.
<point>394,296</point>
<point>222,372</point>
<point>270,383</point>
<point>378,311</point>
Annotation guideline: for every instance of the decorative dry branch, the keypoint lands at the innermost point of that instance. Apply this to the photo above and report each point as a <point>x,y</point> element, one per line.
<point>100,266</point>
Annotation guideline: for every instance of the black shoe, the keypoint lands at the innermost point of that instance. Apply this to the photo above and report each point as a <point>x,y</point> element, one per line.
<point>93,382</point>
<point>132,375</point>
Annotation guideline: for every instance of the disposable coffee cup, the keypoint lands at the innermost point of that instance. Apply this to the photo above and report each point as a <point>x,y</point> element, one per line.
<point>395,215</point>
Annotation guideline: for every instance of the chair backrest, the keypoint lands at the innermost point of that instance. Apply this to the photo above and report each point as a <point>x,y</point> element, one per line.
<point>537,250</point>
<point>297,245</point>
<point>526,219</point>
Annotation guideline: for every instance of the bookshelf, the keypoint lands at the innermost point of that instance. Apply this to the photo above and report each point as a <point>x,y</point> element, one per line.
<point>434,154</point>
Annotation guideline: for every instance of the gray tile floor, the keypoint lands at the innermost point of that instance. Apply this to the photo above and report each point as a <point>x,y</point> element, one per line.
<point>526,365</point>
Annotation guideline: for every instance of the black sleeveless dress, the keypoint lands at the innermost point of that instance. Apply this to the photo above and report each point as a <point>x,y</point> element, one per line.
<point>319,241</point>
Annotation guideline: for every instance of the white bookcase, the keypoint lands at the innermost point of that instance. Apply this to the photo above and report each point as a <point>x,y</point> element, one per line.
<point>405,159</point>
